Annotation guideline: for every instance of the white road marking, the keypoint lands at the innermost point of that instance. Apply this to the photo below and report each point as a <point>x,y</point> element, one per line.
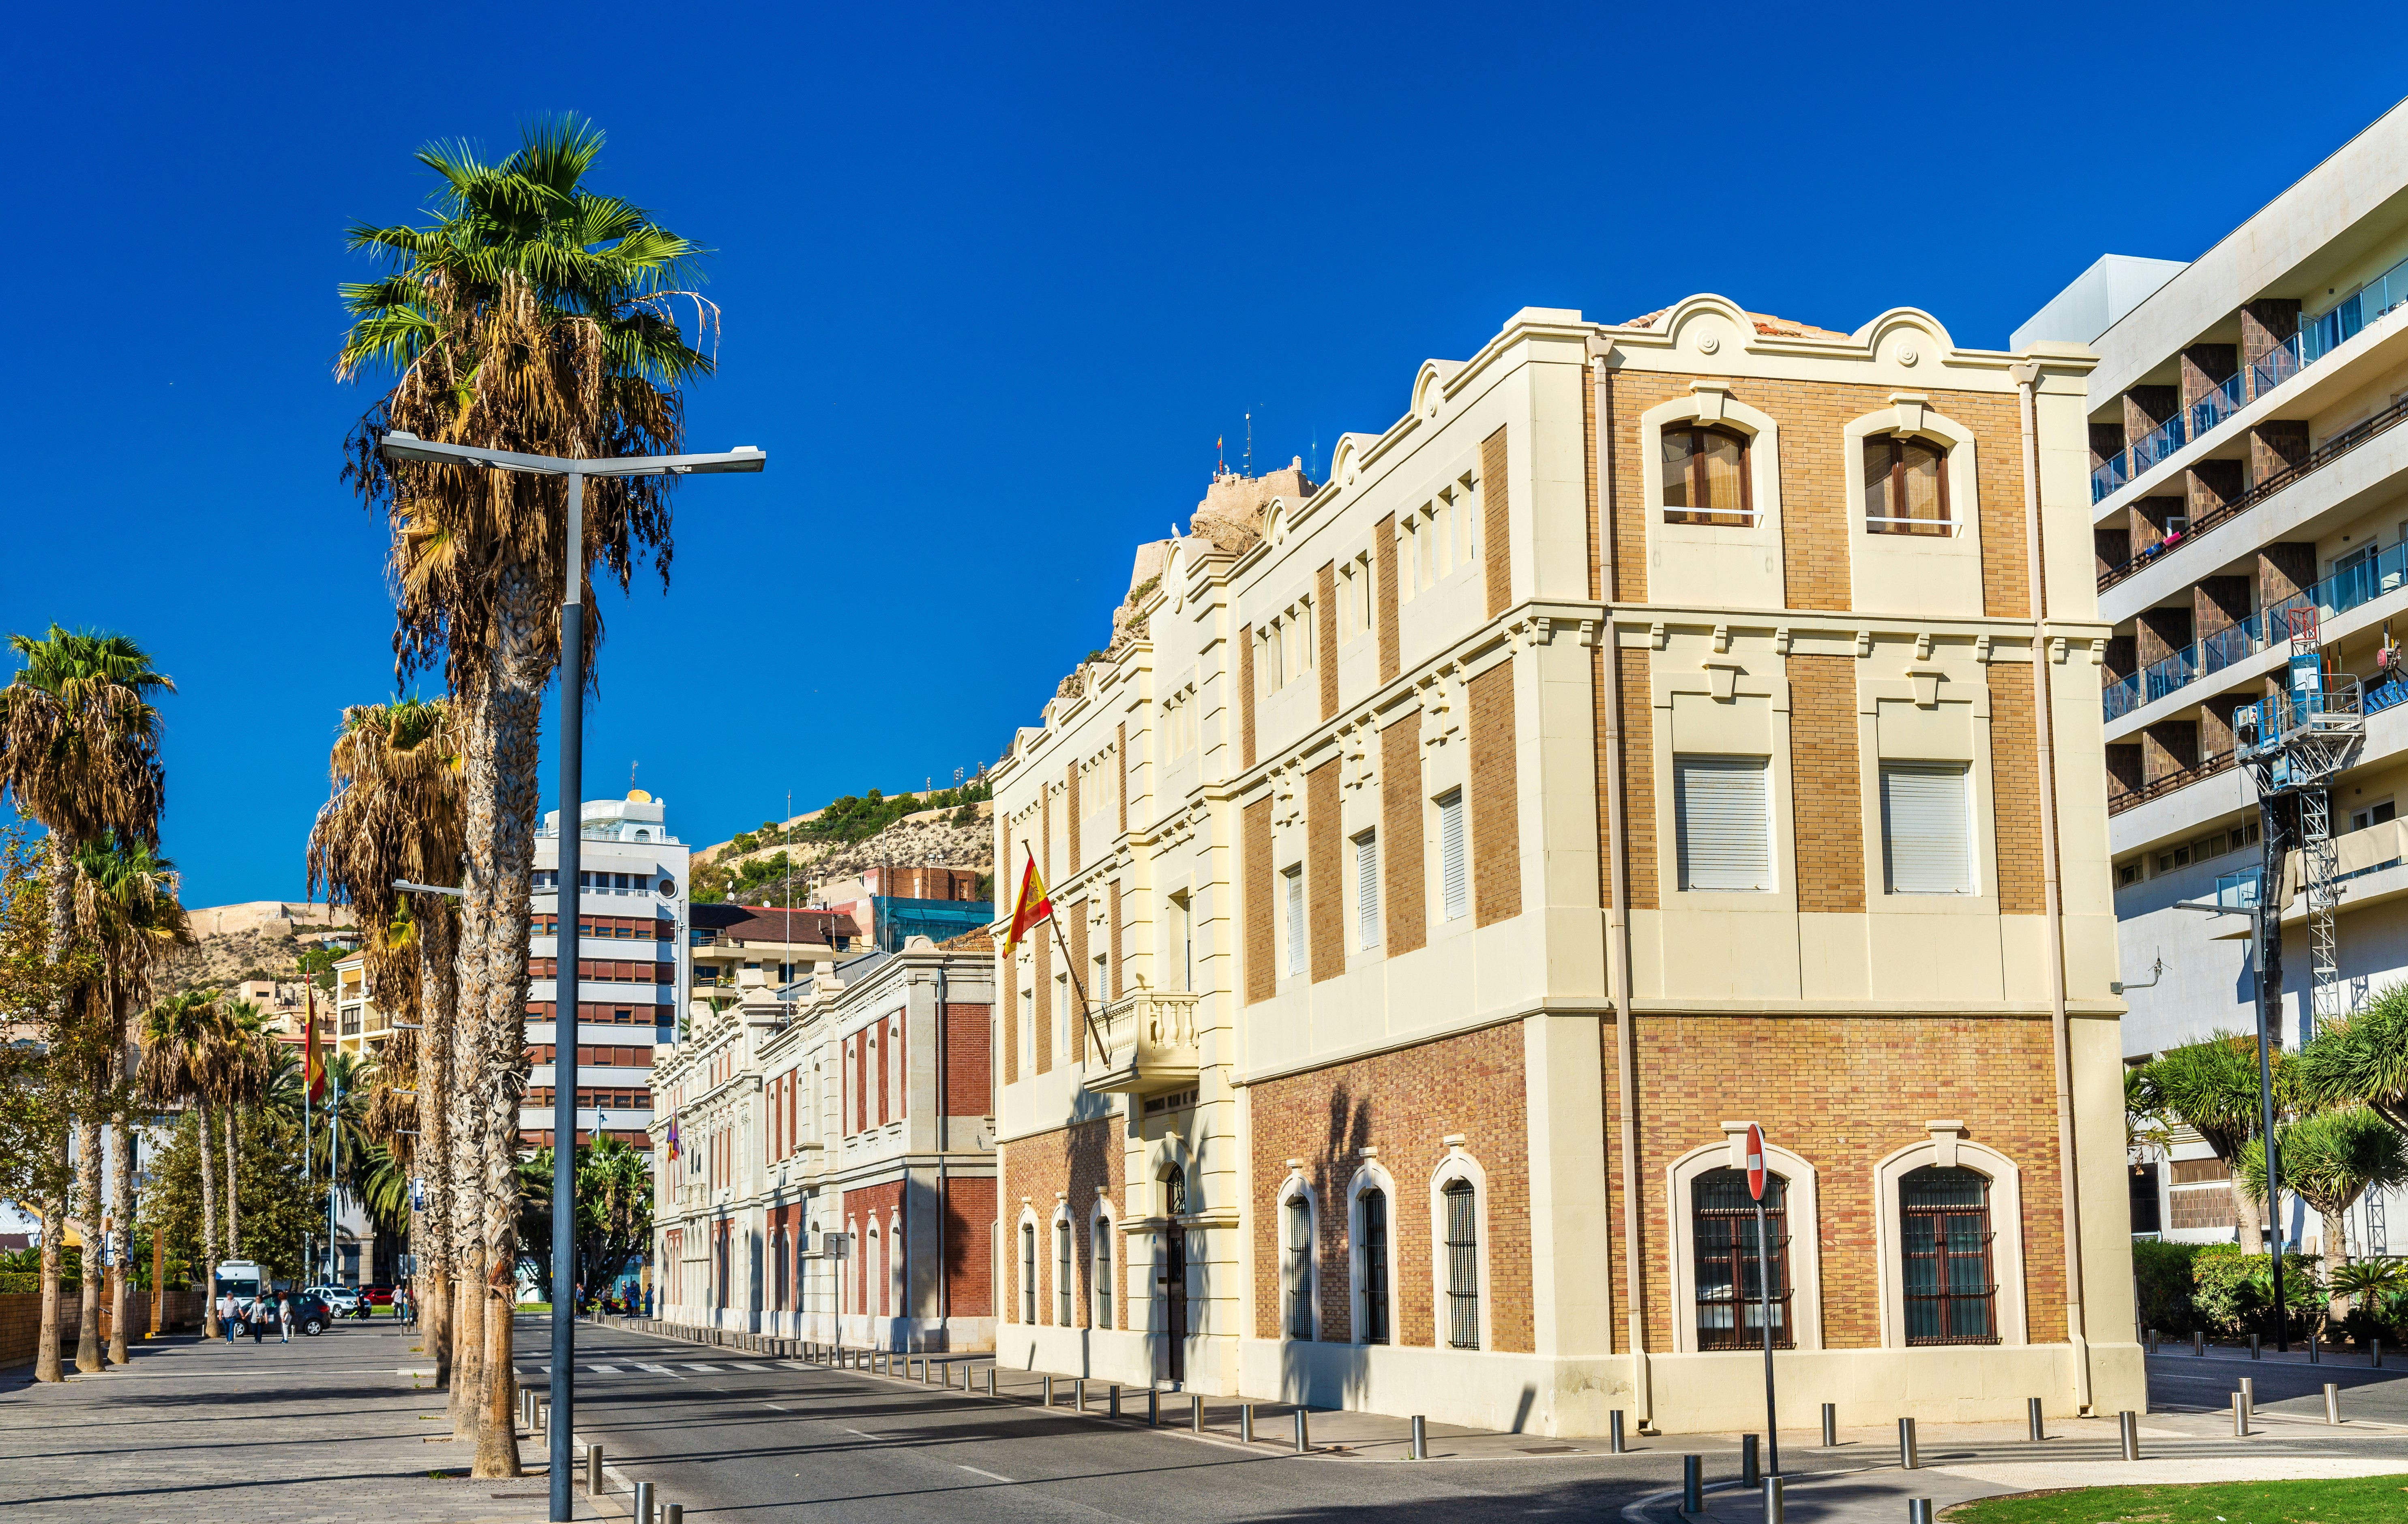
<point>764,1367</point>
<point>714,1369</point>
<point>613,1369</point>
<point>775,1408</point>
<point>873,1437</point>
<point>988,1474</point>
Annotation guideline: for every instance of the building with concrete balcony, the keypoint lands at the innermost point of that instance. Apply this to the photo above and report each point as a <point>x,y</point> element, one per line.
<point>1659,726</point>
<point>834,1172</point>
<point>740,949</point>
<point>2249,509</point>
<point>631,972</point>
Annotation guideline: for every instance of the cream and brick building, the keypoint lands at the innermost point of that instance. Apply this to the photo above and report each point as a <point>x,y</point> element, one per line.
<point>1640,736</point>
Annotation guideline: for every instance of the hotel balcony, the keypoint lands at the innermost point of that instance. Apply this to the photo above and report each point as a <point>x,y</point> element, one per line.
<point>1149,1040</point>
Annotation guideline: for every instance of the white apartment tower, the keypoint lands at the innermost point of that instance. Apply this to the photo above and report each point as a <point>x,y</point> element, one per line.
<point>2250,506</point>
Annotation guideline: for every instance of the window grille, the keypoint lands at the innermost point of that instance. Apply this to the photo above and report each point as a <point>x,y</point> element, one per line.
<point>1028,1273</point>
<point>1462,1266</point>
<point>1450,855</point>
<point>1103,1231</point>
<point>1367,889</point>
<point>1299,1267</point>
<point>1730,1284</point>
<point>1945,1232</point>
<point>1725,819</point>
<point>1062,1273</point>
<point>1375,1267</point>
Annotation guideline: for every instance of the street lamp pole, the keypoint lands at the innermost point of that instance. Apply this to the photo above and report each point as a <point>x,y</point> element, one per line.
<point>400,445</point>
<point>2268,956</point>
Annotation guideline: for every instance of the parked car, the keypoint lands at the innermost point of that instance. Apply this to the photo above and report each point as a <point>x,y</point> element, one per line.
<point>310,1315</point>
<point>377,1296</point>
<point>340,1299</point>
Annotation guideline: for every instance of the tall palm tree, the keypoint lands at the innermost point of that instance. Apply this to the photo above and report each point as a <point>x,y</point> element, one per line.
<point>530,314</point>
<point>2363,1058</point>
<point>393,813</point>
<point>2211,1087</point>
<point>180,1035</point>
<point>239,1072</point>
<point>80,751</point>
<point>126,910</point>
<point>2330,1159</point>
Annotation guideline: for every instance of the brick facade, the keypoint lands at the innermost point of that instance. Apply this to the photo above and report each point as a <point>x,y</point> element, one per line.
<point>1496,803</point>
<point>969,1246</point>
<point>1843,1093</point>
<point>1638,802</point>
<point>1245,695</point>
<point>1383,593</point>
<point>873,1260</point>
<point>1325,634</point>
<point>1496,533</point>
<point>1404,1104</point>
<point>1325,887</point>
<point>1040,1173</point>
<point>970,1063</point>
<point>2014,789</point>
<point>1401,896</point>
<point>1826,795</point>
<point>1254,899</point>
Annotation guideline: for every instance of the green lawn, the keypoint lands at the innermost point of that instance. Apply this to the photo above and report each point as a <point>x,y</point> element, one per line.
<point>2358,1500</point>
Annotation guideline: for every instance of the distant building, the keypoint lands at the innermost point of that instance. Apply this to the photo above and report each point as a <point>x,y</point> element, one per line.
<point>894,902</point>
<point>736,949</point>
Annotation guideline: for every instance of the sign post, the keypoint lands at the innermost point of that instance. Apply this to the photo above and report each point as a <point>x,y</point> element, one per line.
<point>1755,1181</point>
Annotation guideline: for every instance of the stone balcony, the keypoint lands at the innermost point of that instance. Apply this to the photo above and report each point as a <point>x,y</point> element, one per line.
<point>1149,1041</point>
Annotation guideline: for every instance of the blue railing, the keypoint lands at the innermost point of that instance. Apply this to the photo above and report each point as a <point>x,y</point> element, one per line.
<point>2318,337</point>
<point>2385,571</point>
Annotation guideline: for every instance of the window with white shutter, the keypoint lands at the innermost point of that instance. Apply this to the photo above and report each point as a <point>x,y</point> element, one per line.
<point>1294,878</point>
<point>1452,884</point>
<point>1926,828</point>
<point>1367,889</point>
<point>1725,818</point>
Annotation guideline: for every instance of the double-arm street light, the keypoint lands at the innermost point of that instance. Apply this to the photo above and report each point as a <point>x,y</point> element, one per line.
<point>398,445</point>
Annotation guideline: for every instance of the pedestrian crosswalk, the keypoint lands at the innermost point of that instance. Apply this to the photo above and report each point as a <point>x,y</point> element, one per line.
<point>623,1366</point>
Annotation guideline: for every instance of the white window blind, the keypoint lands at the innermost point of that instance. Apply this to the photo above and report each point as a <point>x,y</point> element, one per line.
<point>1449,854</point>
<point>1295,877</point>
<point>1367,887</point>
<point>1725,821</point>
<point>1926,828</point>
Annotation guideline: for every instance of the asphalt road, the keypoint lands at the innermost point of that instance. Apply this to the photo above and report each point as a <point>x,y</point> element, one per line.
<point>2286,1384</point>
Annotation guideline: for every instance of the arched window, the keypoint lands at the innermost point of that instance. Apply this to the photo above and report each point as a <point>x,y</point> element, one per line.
<point>1729,1284</point>
<point>1372,1210</point>
<point>1062,1273</point>
<point>1028,1273</point>
<point>877,1256</point>
<point>1174,1192</point>
<point>1944,1236</point>
<point>1299,1266</point>
<point>1705,477</point>
<point>1462,1219</point>
<point>898,1266</point>
<point>1906,486</point>
<point>1100,1234</point>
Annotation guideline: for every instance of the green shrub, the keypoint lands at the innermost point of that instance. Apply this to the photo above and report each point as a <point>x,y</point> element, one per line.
<point>2164,1274</point>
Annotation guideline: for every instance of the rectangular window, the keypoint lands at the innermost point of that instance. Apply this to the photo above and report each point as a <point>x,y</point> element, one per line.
<point>1293,882</point>
<point>1926,828</point>
<point>1462,1266</point>
<point>1454,887</point>
<point>1182,942</point>
<point>1299,1267</point>
<point>1375,1267</point>
<point>1103,1236</point>
<point>1367,889</point>
<point>1724,816</point>
<point>1028,1273</point>
<point>1062,1273</point>
<point>1730,1262</point>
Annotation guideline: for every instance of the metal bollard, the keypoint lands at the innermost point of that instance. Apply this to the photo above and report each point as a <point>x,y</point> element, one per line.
<point>2249,1397</point>
<point>1154,1408</point>
<point>1751,1470</point>
<point>1195,1413</point>
<point>1079,1395</point>
<point>2315,1349</point>
<point>2332,1402</point>
<point>1830,1426</point>
<point>543,1417</point>
<point>990,1381</point>
<point>2373,1343</point>
<point>1303,1433</point>
<point>1907,1455</point>
<point>593,1470</point>
<point>2254,1339</point>
<point>673,1513</point>
<point>2240,1418</point>
<point>644,1503</point>
<point>1049,1380</point>
<point>2031,1419</point>
<point>1246,1424</point>
<point>1772,1508</point>
<point>1693,1484</point>
<point>1421,1437</point>
<point>1613,1432</point>
<point>2128,1429</point>
<point>1918,1511</point>
<point>1112,1402</point>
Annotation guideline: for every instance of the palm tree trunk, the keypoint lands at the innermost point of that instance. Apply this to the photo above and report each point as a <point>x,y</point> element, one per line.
<point>2249,1217</point>
<point>233,1220</point>
<point>47,1365</point>
<point>208,1223</point>
<point>122,1236</point>
<point>89,1169</point>
<point>437,985</point>
<point>2336,1253</point>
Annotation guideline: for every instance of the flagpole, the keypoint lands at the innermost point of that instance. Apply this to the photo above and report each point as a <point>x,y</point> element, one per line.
<point>1019,908</point>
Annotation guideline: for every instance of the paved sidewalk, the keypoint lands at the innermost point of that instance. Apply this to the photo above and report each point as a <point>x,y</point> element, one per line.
<point>320,1430</point>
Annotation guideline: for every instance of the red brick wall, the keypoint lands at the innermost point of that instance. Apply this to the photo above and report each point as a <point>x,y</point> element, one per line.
<point>2014,789</point>
<point>1825,792</point>
<point>1044,1016</point>
<point>969,1246</point>
<point>1245,695</point>
<point>1638,802</point>
<point>1325,893</point>
<point>1495,534</point>
<point>969,1060</point>
<point>1070,803</point>
<point>1843,1092</point>
<point>867,1206</point>
<point>1324,635</point>
<point>1082,973</point>
<point>1401,902</point>
<point>1041,1173</point>
<point>1383,556</point>
<point>1496,801</point>
<point>1404,1104</point>
<point>1254,899</point>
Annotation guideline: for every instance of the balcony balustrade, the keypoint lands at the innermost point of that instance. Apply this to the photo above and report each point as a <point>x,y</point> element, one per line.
<point>1149,1040</point>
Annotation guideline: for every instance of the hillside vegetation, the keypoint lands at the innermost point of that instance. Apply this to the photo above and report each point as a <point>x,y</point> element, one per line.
<point>782,863</point>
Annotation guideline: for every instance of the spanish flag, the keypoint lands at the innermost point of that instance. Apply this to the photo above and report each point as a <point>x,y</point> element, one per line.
<point>314,1072</point>
<point>1032,907</point>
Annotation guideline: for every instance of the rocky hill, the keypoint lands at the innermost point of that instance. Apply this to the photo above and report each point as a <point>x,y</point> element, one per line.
<point>811,849</point>
<point>263,938</point>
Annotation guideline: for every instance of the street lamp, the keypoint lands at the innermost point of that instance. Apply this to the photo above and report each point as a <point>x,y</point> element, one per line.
<point>401,445</point>
<point>2268,954</point>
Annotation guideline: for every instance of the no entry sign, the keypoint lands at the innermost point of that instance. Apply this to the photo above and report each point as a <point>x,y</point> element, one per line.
<point>1755,1161</point>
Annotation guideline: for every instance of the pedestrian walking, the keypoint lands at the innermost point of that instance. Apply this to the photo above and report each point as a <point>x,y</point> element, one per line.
<point>284,1316</point>
<point>225,1314</point>
<point>258,1319</point>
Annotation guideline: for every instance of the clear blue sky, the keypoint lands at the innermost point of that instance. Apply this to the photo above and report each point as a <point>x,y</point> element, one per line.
<point>994,279</point>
